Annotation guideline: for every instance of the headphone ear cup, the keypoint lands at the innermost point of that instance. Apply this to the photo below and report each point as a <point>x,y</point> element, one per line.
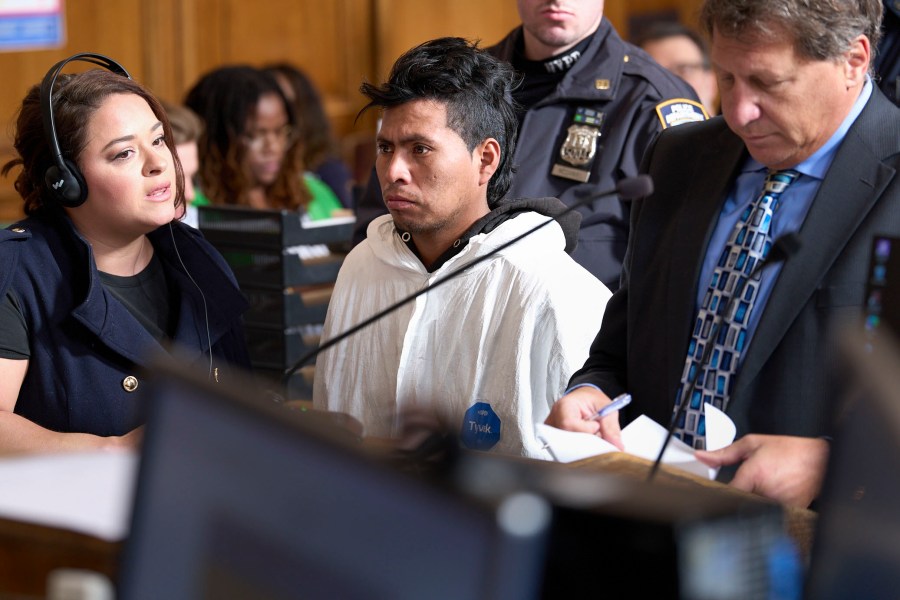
<point>66,184</point>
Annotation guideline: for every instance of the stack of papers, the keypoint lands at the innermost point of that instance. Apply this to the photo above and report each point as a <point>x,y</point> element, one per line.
<point>87,492</point>
<point>642,437</point>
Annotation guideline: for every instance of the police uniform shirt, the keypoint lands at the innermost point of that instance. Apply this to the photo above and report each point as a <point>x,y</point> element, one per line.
<point>591,131</point>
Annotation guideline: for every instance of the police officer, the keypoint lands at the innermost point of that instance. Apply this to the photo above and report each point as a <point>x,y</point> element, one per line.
<point>887,59</point>
<point>590,105</point>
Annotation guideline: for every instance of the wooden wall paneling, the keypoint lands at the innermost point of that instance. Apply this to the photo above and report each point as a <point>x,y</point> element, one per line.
<point>205,34</point>
<point>689,12</point>
<point>619,11</point>
<point>166,55</point>
<point>261,32</point>
<point>356,63</point>
<point>402,24</point>
<point>187,25</point>
<point>111,29</point>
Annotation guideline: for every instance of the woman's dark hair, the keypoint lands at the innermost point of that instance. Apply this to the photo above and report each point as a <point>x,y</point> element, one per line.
<point>314,128</point>
<point>476,89</point>
<point>226,99</point>
<point>75,100</point>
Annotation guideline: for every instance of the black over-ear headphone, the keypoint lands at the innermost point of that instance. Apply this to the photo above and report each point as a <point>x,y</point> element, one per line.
<point>63,179</point>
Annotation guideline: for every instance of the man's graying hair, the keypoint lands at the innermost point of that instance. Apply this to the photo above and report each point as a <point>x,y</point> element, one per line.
<point>475,87</point>
<point>821,29</point>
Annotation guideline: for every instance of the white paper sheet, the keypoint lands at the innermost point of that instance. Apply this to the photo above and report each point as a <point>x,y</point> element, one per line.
<point>89,492</point>
<point>642,437</point>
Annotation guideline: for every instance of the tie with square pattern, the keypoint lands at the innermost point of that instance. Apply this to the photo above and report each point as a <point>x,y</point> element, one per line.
<point>748,244</point>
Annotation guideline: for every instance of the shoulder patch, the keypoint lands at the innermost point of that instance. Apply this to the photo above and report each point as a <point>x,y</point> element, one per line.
<point>679,111</point>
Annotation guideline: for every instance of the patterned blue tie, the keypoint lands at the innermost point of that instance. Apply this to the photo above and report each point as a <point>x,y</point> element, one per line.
<point>748,243</point>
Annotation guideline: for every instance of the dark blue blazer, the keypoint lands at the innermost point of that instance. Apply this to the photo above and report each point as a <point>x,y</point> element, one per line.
<point>85,343</point>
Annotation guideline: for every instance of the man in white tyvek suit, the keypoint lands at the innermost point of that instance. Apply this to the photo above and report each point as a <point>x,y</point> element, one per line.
<point>489,352</point>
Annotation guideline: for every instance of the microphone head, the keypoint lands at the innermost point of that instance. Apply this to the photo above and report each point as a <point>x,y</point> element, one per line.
<point>784,247</point>
<point>628,188</point>
<point>635,187</point>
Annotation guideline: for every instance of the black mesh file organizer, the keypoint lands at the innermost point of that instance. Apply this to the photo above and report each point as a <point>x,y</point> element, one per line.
<point>286,266</point>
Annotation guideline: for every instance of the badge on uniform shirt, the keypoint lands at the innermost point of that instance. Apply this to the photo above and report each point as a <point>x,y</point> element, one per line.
<point>579,149</point>
<point>680,111</point>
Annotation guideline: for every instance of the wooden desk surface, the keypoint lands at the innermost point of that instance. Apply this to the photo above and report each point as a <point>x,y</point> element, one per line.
<point>28,553</point>
<point>799,522</point>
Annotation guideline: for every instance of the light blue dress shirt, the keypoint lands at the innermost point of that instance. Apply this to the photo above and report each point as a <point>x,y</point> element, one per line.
<point>789,217</point>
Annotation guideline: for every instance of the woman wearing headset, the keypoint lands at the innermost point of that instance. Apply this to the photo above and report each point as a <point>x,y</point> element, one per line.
<point>101,275</point>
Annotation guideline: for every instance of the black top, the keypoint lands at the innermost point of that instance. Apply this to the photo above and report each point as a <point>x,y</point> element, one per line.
<point>145,295</point>
<point>541,77</point>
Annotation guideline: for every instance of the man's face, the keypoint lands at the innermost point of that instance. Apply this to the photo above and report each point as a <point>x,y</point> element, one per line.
<point>433,186</point>
<point>680,55</point>
<point>554,26</point>
<point>783,106</point>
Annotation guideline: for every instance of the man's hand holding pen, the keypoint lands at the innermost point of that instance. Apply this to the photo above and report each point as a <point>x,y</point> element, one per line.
<point>578,411</point>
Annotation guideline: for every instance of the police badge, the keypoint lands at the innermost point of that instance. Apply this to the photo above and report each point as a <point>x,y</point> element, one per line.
<point>578,151</point>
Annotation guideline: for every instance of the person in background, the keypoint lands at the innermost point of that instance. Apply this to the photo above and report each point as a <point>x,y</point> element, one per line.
<point>488,353</point>
<point>726,190</point>
<point>248,151</point>
<point>186,131</point>
<point>887,59</point>
<point>321,155</point>
<point>102,276</point>
<point>682,51</point>
<point>588,106</point>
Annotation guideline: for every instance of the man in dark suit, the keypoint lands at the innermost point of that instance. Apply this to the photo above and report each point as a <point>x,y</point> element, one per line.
<point>797,99</point>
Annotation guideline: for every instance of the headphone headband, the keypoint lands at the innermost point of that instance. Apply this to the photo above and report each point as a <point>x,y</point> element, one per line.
<point>63,178</point>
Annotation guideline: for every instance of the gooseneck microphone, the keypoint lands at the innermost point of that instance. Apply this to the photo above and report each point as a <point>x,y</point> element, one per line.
<point>628,188</point>
<point>784,247</point>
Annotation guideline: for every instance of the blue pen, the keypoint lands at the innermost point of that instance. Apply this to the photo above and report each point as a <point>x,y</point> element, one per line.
<point>620,402</point>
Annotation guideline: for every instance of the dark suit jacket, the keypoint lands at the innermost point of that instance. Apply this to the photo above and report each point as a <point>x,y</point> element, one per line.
<point>791,373</point>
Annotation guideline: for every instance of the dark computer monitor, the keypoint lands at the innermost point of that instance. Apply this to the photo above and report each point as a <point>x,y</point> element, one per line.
<point>882,309</point>
<point>235,499</point>
<point>857,547</point>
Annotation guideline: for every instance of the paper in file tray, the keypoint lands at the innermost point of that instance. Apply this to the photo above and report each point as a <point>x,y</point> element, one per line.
<point>274,270</point>
<point>273,250</point>
<point>270,229</point>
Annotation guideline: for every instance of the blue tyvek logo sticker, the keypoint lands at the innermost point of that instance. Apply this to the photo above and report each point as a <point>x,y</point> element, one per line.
<point>480,427</point>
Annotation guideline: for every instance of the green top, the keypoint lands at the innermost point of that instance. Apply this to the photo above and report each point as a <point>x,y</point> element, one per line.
<point>323,201</point>
<point>200,198</point>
